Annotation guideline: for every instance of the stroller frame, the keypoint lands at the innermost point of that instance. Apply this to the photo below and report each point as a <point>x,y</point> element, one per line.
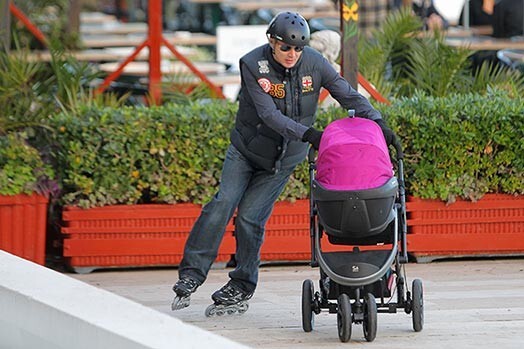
<point>355,296</point>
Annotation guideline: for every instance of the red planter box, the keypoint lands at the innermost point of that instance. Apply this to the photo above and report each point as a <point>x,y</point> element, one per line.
<point>131,236</point>
<point>155,235</point>
<point>492,226</point>
<point>287,233</point>
<point>23,223</point>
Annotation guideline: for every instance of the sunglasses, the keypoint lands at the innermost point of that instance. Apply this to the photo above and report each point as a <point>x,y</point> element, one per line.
<point>286,48</point>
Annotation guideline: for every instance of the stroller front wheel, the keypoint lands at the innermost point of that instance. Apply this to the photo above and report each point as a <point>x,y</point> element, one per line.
<point>307,305</point>
<point>418,305</point>
<point>370,317</point>
<point>344,318</point>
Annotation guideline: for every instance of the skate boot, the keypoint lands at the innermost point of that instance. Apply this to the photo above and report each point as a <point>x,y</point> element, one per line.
<point>183,289</point>
<point>229,300</point>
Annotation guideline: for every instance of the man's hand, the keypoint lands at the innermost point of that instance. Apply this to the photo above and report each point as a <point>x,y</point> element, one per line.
<point>312,136</point>
<point>389,135</point>
<point>434,22</point>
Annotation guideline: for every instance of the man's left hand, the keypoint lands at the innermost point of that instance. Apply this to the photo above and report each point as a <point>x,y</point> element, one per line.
<point>313,136</point>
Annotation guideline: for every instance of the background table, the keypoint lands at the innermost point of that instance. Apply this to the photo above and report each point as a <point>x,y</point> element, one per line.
<point>113,28</point>
<point>485,43</point>
<point>167,67</point>
<point>113,54</point>
<point>176,38</point>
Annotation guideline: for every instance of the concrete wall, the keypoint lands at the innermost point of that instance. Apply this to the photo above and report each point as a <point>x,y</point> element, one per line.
<point>40,308</point>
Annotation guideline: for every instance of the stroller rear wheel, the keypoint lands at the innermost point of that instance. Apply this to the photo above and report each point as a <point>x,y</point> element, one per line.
<point>418,305</point>
<point>370,317</point>
<point>307,305</point>
<point>344,318</point>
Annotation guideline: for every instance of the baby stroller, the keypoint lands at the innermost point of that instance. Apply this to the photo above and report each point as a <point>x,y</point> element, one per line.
<point>358,203</point>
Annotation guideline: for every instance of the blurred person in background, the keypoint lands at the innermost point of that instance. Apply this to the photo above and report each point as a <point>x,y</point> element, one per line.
<point>426,10</point>
<point>508,18</point>
<point>480,13</point>
<point>372,14</point>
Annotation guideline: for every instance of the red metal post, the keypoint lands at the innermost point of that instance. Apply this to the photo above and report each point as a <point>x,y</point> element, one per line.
<point>30,26</point>
<point>120,69</point>
<point>155,42</point>
<point>371,90</point>
<point>194,69</point>
<point>366,85</point>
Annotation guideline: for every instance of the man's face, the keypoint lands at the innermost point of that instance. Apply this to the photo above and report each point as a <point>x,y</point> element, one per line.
<point>286,55</point>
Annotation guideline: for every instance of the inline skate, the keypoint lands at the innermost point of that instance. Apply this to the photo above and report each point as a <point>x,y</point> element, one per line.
<point>183,289</point>
<point>229,300</point>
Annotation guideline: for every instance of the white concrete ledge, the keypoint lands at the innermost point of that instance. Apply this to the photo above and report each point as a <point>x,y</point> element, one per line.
<point>40,308</point>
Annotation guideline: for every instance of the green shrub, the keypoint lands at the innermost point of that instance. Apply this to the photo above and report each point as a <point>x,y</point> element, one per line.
<point>401,59</point>
<point>50,17</point>
<point>461,145</point>
<point>174,153</point>
<point>133,155</point>
<point>22,170</point>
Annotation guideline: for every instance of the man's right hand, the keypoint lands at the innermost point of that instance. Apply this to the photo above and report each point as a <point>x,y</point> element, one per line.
<point>389,135</point>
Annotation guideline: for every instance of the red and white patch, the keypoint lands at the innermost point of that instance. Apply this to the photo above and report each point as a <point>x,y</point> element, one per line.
<point>265,84</point>
<point>307,84</point>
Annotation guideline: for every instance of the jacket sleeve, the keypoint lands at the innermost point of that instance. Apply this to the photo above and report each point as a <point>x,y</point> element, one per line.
<point>267,110</point>
<point>345,94</point>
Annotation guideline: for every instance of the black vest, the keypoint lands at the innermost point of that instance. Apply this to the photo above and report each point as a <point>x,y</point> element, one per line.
<point>295,92</point>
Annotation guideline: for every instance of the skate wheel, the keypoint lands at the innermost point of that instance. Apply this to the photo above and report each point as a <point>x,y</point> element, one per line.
<point>210,311</point>
<point>243,308</point>
<point>179,303</point>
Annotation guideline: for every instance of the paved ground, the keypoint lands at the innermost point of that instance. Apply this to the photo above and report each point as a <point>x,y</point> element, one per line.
<point>468,304</point>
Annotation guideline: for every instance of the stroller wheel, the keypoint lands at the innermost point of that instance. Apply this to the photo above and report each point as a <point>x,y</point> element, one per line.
<point>418,305</point>
<point>307,305</point>
<point>370,318</point>
<point>344,318</point>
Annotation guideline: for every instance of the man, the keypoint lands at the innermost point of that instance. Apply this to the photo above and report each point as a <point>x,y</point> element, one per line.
<point>280,85</point>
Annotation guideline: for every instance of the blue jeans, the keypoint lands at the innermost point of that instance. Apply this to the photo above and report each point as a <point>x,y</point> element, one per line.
<point>253,192</point>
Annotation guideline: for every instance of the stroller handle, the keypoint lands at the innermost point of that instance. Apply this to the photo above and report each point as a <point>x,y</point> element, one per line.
<point>398,147</point>
<point>311,155</point>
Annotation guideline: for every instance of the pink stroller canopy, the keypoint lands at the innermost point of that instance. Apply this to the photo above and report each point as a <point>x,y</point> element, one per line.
<point>353,155</point>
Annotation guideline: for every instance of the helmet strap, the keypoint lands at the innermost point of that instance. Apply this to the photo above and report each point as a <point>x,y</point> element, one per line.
<point>272,43</point>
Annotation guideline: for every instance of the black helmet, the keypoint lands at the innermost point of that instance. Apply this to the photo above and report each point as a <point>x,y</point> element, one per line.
<point>290,28</point>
